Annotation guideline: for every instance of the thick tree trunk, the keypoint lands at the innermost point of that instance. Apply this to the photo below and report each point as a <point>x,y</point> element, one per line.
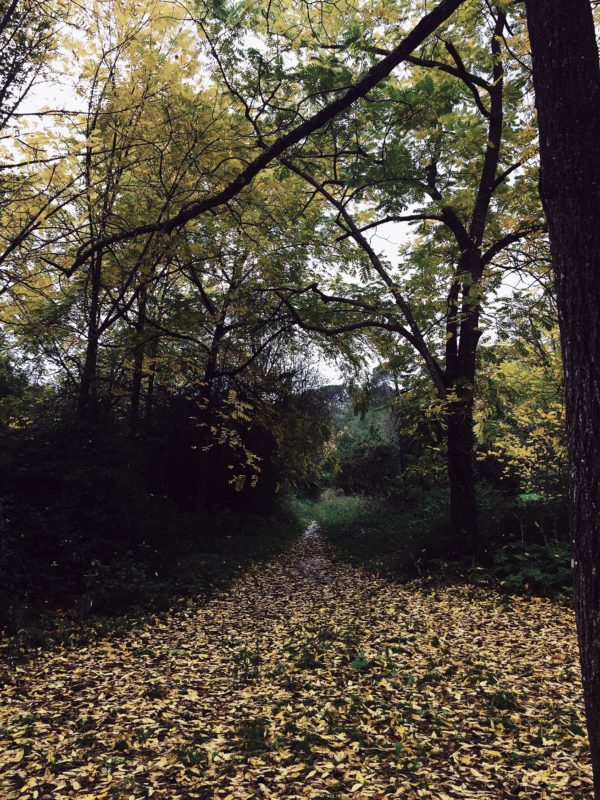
<point>566,78</point>
<point>461,360</point>
<point>461,474</point>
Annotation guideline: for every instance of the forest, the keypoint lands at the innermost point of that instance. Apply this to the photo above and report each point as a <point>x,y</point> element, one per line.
<point>299,399</point>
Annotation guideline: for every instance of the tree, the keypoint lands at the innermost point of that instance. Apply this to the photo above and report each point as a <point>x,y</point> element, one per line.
<point>397,160</point>
<point>285,137</point>
<point>143,142</point>
<point>27,35</point>
<point>566,76</point>
<point>128,143</point>
<point>520,424</point>
<point>34,186</point>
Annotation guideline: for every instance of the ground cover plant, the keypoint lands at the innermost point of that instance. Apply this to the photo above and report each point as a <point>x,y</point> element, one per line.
<point>405,542</point>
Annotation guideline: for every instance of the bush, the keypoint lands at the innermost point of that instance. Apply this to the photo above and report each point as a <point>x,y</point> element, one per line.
<point>532,518</point>
<point>540,568</point>
<point>81,533</point>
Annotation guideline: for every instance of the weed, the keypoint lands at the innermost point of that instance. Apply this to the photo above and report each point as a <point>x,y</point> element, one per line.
<point>253,734</point>
<point>503,700</point>
<point>360,662</point>
<point>309,660</point>
<point>247,663</point>
<point>143,735</point>
<point>192,758</point>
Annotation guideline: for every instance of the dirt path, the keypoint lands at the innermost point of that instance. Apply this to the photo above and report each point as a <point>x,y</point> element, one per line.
<point>308,679</point>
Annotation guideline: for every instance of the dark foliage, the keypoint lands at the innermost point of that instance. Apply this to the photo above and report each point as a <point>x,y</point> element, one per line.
<point>106,524</point>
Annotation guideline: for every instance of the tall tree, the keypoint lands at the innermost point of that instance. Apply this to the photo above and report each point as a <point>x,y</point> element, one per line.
<point>396,160</point>
<point>287,134</point>
<point>34,186</point>
<point>146,142</point>
<point>27,35</point>
<point>566,76</point>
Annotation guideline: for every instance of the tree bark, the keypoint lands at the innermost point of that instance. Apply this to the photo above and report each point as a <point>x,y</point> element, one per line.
<point>87,402</point>
<point>138,362</point>
<point>566,77</point>
<point>207,410</point>
<point>152,363</point>
<point>461,474</point>
<point>462,338</point>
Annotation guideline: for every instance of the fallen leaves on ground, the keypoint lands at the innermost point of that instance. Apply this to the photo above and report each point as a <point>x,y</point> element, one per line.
<point>308,679</point>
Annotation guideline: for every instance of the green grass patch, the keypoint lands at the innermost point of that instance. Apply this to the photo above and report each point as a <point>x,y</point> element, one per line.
<point>518,549</point>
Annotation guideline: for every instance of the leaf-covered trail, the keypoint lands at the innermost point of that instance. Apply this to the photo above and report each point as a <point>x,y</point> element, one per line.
<point>308,679</point>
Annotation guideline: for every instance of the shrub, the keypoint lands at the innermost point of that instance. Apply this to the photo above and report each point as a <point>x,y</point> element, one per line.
<point>81,533</point>
<point>541,568</point>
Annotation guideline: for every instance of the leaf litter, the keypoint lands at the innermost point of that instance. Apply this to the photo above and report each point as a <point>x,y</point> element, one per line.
<point>308,679</point>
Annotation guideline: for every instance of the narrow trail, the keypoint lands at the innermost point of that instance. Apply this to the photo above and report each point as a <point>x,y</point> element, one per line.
<point>308,679</point>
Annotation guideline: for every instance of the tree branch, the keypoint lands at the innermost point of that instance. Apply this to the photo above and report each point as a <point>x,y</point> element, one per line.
<point>509,239</point>
<point>405,218</point>
<point>427,25</point>
<point>415,337</point>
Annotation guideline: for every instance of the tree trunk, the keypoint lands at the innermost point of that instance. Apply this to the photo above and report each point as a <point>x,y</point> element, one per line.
<point>461,361</point>
<point>207,409</point>
<point>152,362</point>
<point>138,362</point>
<point>566,78</point>
<point>87,402</point>
<point>461,474</point>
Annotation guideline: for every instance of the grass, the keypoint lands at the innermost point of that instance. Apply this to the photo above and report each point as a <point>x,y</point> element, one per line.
<point>374,532</point>
<point>517,551</point>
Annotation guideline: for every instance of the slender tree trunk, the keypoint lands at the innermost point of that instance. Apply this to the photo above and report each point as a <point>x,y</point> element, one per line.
<point>207,402</point>
<point>87,402</point>
<point>138,362</point>
<point>566,76</point>
<point>152,361</point>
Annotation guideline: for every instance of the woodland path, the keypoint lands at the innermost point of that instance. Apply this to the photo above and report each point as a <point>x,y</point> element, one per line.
<point>308,679</point>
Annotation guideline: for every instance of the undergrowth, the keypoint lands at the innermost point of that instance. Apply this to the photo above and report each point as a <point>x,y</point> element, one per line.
<point>205,552</point>
<point>522,547</point>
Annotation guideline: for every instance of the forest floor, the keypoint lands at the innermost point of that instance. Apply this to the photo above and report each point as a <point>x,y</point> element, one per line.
<point>307,678</point>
